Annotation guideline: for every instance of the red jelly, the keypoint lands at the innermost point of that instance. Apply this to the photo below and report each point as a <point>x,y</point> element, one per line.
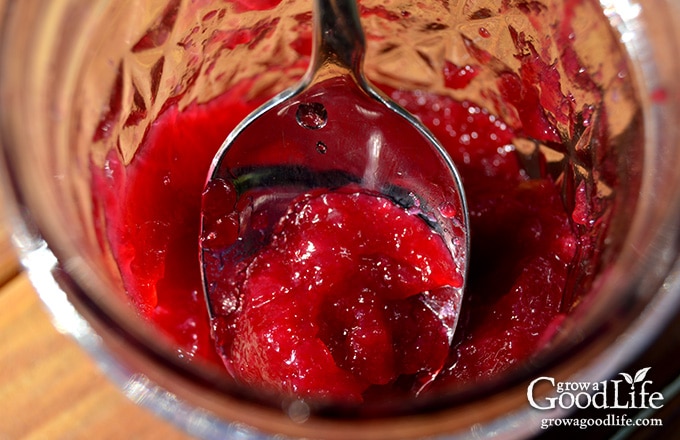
<point>524,252</point>
<point>349,290</point>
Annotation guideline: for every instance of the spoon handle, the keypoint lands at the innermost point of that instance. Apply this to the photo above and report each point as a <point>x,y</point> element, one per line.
<point>338,38</point>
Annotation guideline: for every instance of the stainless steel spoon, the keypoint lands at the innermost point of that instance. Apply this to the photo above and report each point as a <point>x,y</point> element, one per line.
<point>332,129</point>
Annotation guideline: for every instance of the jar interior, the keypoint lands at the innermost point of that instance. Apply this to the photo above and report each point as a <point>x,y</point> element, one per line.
<point>552,76</point>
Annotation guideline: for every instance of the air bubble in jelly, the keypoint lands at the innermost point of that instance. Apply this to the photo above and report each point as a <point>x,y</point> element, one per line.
<point>311,115</point>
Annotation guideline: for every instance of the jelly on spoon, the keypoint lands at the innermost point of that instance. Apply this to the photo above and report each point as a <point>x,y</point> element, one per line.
<point>334,233</point>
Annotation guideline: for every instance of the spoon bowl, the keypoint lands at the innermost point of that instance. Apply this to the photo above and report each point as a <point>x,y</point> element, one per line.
<point>331,131</point>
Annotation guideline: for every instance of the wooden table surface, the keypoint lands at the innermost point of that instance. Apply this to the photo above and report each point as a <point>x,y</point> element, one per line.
<point>49,387</point>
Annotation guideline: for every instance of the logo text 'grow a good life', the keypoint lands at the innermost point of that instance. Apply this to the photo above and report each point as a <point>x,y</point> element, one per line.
<point>631,392</point>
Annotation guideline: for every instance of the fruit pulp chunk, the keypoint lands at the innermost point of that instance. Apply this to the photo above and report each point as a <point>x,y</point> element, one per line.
<point>349,290</point>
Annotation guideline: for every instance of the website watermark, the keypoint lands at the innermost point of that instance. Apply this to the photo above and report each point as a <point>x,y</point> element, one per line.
<point>625,392</point>
<point>613,420</point>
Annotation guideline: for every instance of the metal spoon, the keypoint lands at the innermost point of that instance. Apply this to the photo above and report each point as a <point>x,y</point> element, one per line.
<point>330,130</point>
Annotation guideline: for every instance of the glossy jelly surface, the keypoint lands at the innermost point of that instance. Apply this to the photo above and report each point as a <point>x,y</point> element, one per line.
<point>347,291</point>
<point>523,249</point>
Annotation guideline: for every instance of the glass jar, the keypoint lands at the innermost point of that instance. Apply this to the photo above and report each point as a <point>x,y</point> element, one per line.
<point>82,83</point>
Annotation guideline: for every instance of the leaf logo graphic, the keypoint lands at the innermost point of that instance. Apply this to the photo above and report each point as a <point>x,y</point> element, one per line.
<point>641,374</point>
